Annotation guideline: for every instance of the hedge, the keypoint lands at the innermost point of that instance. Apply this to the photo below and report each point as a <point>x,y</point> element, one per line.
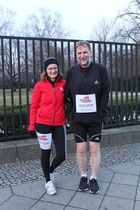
<point>16,120</point>
<point>116,117</point>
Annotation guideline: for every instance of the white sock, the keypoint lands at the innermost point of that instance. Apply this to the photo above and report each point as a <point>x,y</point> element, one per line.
<point>85,175</point>
<point>93,177</point>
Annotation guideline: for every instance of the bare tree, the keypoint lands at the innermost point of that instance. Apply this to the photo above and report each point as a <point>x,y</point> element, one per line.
<point>45,25</point>
<point>103,30</point>
<point>7,21</point>
<point>130,29</point>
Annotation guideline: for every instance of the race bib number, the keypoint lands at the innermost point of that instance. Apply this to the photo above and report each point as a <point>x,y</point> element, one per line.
<point>44,140</point>
<point>86,103</point>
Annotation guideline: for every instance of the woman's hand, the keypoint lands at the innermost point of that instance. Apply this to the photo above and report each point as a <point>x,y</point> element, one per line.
<point>32,134</point>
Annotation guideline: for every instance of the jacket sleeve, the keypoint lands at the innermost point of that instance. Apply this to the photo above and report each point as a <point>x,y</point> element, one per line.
<point>67,95</point>
<point>104,93</point>
<point>34,107</point>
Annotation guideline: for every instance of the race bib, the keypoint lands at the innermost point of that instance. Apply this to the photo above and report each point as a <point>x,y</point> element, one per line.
<point>44,140</point>
<point>86,103</point>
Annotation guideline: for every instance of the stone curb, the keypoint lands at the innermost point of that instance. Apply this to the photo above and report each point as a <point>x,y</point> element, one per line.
<point>28,149</point>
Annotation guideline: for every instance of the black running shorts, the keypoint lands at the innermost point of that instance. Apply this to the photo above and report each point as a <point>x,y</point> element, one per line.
<point>81,132</point>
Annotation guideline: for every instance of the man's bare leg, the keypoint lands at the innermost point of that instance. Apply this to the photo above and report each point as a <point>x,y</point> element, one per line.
<point>81,156</point>
<point>95,157</point>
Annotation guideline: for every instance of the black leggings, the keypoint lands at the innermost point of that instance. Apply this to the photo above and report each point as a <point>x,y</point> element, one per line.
<point>59,139</point>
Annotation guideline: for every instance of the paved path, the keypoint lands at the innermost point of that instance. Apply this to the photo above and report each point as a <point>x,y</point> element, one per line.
<point>22,184</point>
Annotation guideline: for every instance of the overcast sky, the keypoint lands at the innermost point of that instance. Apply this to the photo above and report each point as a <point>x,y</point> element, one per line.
<point>78,16</point>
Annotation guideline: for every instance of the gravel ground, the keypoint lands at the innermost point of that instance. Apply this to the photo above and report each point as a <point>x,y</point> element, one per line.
<point>29,171</point>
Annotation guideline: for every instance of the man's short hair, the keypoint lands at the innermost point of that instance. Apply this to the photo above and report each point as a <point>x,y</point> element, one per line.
<point>83,43</point>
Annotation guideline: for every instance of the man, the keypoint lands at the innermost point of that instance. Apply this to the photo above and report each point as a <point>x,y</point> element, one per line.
<point>86,96</point>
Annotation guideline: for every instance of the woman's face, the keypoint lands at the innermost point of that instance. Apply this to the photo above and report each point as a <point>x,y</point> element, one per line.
<point>52,71</point>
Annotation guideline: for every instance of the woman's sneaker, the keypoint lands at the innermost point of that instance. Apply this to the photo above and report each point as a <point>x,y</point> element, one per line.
<point>94,187</point>
<point>50,188</point>
<point>83,186</point>
<point>52,177</point>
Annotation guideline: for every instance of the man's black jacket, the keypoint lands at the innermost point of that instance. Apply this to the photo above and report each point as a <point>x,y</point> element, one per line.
<point>86,81</point>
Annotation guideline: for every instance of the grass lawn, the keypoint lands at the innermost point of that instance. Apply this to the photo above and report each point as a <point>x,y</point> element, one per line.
<point>24,101</point>
<point>16,96</point>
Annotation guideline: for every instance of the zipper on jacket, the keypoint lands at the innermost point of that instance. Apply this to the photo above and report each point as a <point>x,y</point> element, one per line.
<point>85,75</point>
<point>40,113</point>
<point>55,105</point>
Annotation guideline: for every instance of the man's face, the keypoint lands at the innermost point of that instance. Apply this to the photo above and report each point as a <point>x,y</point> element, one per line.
<point>83,56</point>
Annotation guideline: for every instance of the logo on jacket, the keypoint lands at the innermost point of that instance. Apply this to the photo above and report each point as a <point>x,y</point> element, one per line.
<point>97,139</point>
<point>96,82</point>
<point>61,88</point>
<point>86,99</point>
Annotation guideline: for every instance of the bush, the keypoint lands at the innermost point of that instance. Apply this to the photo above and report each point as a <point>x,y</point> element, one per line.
<point>122,114</point>
<point>118,117</point>
<point>9,121</point>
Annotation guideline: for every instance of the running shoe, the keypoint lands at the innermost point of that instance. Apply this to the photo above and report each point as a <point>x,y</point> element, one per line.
<point>50,188</point>
<point>83,186</point>
<point>94,187</point>
<point>52,177</point>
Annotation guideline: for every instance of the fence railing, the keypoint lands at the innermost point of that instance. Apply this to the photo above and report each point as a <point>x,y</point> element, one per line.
<point>21,62</point>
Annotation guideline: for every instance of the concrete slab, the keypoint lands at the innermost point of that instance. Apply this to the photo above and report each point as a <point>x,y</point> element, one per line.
<point>86,200</point>
<point>103,187</point>
<point>105,174</point>
<point>26,152</point>
<point>33,190</point>
<point>111,203</point>
<point>122,191</point>
<point>41,205</point>
<point>137,205</point>
<point>137,162</point>
<point>63,197</point>
<point>138,194</point>
<point>17,203</point>
<point>5,193</point>
<point>70,182</point>
<point>126,168</point>
<point>126,179</point>
<point>71,208</point>
<point>8,155</point>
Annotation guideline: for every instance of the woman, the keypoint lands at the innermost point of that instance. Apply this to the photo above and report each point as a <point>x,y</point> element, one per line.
<point>47,118</point>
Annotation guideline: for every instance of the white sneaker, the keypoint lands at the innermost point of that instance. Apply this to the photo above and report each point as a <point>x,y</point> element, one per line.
<point>52,177</point>
<point>50,188</point>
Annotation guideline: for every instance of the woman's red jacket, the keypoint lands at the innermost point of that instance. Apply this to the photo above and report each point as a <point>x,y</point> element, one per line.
<point>47,105</point>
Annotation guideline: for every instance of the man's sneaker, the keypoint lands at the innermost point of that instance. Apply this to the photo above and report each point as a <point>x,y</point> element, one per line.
<point>83,186</point>
<point>52,177</point>
<point>94,187</point>
<point>50,188</point>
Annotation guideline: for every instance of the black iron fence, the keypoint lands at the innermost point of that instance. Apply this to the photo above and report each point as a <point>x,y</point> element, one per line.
<point>21,62</point>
